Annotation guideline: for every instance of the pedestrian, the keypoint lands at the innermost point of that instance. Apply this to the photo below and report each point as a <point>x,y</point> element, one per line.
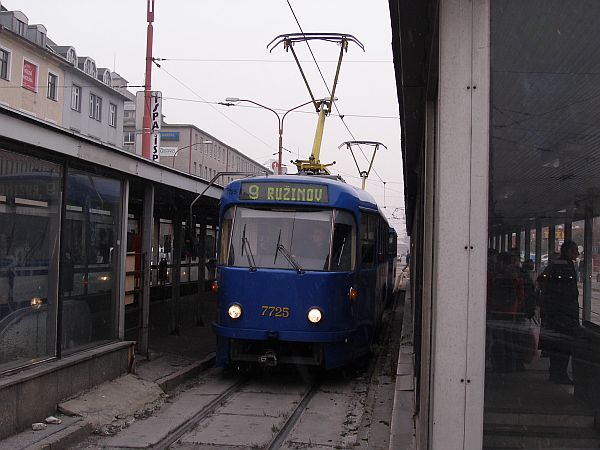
<point>560,307</point>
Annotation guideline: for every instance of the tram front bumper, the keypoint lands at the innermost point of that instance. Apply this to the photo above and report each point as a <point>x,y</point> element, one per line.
<point>342,336</point>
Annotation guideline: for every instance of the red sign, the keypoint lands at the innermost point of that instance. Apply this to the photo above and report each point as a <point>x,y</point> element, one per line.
<point>29,76</point>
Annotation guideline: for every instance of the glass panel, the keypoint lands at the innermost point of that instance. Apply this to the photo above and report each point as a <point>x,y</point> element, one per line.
<point>89,259</point>
<point>344,243</point>
<point>532,245</point>
<point>194,273</point>
<point>542,359</point>
<point>29,223</point>
<point>367,240</point>
<point>225,235</point>
<point>165,251</point>
<point>281,239</point>
<point>595,266</point>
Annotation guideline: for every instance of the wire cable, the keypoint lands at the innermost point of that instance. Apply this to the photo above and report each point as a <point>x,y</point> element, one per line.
<point>213,107</point>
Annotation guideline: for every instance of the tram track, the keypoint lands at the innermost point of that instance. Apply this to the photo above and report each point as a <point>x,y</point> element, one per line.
<point>187,426</point>
<point>284,405</point>
<point>285,431</point>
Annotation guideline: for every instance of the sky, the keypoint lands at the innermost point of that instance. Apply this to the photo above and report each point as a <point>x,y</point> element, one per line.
<point>214,49</point>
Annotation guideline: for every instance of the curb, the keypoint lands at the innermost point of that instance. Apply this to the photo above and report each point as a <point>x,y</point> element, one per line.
<point>171,381</point>
<point>66,438</point>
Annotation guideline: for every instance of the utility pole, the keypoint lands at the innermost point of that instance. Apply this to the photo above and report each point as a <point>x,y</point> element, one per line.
<point>148,83</point>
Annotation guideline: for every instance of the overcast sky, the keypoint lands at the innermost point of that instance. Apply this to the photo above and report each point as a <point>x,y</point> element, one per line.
<point>218,49</point>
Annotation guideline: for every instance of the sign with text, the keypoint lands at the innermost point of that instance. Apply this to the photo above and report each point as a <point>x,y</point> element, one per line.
<point>155,124</point>
<point>169,135</point>
<point>30,76</point>
<point>168,151</point>
<point>284,192</point>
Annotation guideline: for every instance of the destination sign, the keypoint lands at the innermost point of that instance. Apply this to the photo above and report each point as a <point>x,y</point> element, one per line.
<point>284,192</point>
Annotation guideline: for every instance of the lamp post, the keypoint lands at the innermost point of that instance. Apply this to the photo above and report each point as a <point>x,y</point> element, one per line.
<point>231,101</point>
<point>189,146</point>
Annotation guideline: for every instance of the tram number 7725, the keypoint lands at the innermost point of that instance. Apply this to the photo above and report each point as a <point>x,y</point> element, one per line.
<point>275,311</point>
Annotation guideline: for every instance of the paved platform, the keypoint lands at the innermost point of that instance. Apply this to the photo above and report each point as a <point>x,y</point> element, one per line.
<point>172,359</point>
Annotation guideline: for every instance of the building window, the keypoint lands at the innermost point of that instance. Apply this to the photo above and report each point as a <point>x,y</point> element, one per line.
<point>71,56</point>
<point>4,64</point>
<point>52,86</point>
<point>20,28</point>
<point>112,115</point>
<point>95,107</point>
<point>129,138</point>
<point>76,98</point>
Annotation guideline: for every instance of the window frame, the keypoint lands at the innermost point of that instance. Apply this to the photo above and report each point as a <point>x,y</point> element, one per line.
<point>95,107</point>
<point>77,97</point>
<point>52,89</point>
<point>20,27</point>
<point>129,134</point>
<point>112,115</point>
<point>8,64</point>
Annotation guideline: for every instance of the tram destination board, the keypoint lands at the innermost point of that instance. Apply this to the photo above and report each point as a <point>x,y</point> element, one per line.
<point>284,192</point>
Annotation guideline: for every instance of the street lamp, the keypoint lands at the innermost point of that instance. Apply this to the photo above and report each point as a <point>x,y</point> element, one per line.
<point>189,146</point>
<point>231,101</point>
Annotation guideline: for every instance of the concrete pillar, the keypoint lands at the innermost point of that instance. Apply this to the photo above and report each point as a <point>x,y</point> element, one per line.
<point>538,245</point>
<point>527,243</point>
<point>121,256</point>
<point>568,230</point>
<point>147,233</point>
<point>202,254</point>
<point>176,277</point>
<point>587,258</point>
<point>551,240</point>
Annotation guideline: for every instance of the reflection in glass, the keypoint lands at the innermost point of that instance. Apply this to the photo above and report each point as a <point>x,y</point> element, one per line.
<point>89,259</point>
<point>542,346</point>
<point>29,222</point>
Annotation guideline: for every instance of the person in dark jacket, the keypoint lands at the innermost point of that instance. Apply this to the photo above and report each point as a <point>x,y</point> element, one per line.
<point>560,304</point>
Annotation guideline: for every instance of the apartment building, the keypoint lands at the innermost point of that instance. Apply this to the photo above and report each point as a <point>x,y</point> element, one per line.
<point>51,82</point>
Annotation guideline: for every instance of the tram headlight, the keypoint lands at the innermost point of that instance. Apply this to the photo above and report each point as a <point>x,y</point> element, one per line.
<point>235,311</point>
<point>314,315</point>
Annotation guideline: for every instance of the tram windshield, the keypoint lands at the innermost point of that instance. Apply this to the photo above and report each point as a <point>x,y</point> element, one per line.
<point>298,240</point>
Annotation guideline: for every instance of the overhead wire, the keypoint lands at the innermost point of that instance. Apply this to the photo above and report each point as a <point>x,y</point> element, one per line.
<point>213,107</point>
<point>362,116</point>
<point>266,60</point>
<point>327,87</point>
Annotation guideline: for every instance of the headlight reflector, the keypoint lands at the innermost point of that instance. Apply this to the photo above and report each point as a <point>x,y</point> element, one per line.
<point>235,311</point>
<point>314,315</point>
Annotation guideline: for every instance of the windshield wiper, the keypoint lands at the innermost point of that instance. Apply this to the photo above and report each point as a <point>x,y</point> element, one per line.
<point>249,255</point>
<point>284,251</point>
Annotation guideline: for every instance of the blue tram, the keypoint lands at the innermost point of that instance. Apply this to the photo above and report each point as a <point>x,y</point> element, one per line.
<point>303,271</point>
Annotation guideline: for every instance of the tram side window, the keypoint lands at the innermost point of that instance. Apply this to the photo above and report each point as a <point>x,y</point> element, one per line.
<point>225,235</point>
<point>368,240</point>
<point>344,247</point>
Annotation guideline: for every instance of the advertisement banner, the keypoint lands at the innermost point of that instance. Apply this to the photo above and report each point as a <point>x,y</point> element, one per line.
<point>30,76</point>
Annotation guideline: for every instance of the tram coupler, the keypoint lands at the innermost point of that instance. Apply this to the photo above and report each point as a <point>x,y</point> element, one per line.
<point>269,359</point>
